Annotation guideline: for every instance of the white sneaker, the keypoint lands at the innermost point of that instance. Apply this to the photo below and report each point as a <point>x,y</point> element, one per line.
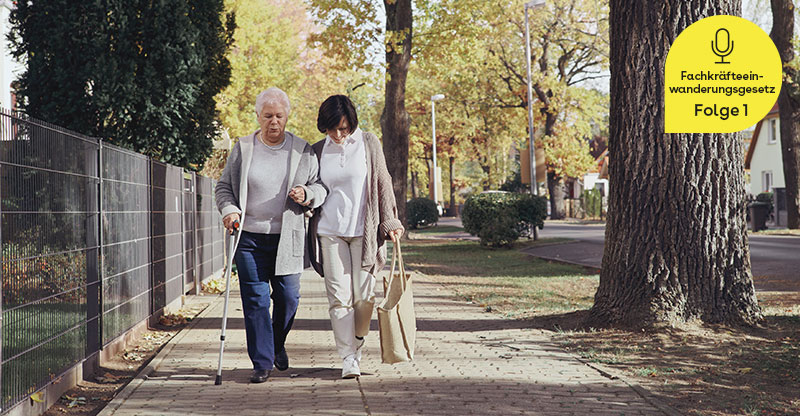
<point>360,347</point>
<point>350,367</point>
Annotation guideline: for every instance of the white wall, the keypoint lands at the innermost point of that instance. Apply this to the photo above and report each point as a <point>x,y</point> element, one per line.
<point>591,179</point>
<point>10,68</point>
<point>766,157</point>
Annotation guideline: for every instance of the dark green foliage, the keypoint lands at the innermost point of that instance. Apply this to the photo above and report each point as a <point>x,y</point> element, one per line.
<point>592,202</point>
<point>141,74</point>
<point>500,218</point>
<point>421,212</point>
<point>514,183</point>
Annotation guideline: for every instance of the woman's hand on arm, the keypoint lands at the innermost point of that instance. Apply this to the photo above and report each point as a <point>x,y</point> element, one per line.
<point>298,194</point>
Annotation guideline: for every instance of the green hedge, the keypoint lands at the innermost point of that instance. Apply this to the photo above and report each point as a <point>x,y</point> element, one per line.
<point>592,203</point>
<point>421,212</point>
<point>500,218</point>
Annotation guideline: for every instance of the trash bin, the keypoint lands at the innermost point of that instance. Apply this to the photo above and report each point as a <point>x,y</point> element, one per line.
<point>759,211</point>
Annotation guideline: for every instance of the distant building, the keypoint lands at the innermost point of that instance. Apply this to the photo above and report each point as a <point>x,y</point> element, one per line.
<point>763,159</point>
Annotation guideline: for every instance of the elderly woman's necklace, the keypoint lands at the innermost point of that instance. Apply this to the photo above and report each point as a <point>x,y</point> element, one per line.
<point>270,146</point>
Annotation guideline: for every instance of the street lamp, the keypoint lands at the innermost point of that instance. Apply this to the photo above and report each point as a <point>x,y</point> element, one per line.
<point>533,4</point>
<point>434,99</point>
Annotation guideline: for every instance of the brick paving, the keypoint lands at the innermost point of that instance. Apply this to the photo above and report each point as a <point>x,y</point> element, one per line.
<point>467,362</point>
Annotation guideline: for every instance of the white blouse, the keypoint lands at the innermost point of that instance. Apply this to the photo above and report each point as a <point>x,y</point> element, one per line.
<point>343,170</point>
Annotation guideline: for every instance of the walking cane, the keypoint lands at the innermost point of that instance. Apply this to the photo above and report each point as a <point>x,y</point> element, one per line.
<point>218,380</point>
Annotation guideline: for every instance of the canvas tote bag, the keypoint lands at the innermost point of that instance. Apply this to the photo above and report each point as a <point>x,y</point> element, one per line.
<point>397,323</point>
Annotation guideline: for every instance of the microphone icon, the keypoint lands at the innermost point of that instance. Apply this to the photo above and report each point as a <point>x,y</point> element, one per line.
<point>722,53</point>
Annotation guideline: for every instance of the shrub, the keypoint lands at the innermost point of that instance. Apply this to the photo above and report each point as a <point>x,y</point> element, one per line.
<point>500,218</point>
<point>421,212</point>
<point>592,203</point>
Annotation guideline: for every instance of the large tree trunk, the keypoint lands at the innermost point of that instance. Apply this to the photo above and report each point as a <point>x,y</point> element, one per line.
<point>676,239</point>
<point>782,33</point>
<point>555,186</point>
<point>394,119</point>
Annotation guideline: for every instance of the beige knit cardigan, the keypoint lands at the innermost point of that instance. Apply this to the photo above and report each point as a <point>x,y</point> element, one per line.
<point>380,215</point>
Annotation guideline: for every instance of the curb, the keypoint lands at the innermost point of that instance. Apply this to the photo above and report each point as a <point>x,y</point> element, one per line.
<point>604,371</point>
<point>140,378</point>
<point>641,391</point>
<point>560,260</point>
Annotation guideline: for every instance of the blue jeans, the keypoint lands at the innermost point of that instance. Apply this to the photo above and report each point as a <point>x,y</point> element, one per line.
<point>255,261</point>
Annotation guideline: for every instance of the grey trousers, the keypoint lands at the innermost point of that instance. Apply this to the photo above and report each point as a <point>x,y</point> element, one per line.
<point>350,290</point>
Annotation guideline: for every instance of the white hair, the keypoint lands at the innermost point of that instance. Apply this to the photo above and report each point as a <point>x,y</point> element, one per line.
<point>273,95</point>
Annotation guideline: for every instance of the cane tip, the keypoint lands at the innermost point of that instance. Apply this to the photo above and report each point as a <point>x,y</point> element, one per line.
<point>218,381</point>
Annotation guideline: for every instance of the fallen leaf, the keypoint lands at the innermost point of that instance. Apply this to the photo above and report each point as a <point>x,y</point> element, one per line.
<point>745,370</point>
<point>107,378</point>
<point>38,397</point>
<point>78,401</point>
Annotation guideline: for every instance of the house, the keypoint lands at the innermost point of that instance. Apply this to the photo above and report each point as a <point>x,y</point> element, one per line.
<point>596,178</point>
<point>763,159</point>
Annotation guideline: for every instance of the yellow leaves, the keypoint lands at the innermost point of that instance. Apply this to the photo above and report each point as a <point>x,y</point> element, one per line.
<point>396,39</point>
<point>173,320</point>
<point>38,397</point>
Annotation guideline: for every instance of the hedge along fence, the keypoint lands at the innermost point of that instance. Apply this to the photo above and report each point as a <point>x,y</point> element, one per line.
<point>92,244</point>
<point>500,218</point>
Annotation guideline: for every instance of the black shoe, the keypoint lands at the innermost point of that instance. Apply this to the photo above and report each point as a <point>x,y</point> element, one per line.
<point>281,361</point>
<point>259,376</point>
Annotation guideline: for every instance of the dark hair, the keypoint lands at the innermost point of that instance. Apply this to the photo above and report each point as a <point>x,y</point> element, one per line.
<point>332,110</point>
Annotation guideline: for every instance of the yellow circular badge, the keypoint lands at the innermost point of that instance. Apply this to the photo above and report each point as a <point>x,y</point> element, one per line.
<point>722,75</point>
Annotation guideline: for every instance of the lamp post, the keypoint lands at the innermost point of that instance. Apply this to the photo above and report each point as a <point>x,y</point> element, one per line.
<point>531,5</point>
<point>434,99</point>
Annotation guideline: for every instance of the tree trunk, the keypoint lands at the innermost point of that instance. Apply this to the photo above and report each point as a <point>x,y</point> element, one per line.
<point>394,119</point>
<point>788,101</point>
<point>555,183</point>
<point>453,209</point>
<point>487,169</point>
<point>676,238</point>
<point>555,186</point>
<point>414,193</point>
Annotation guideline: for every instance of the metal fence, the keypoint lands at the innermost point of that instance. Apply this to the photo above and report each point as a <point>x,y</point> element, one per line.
<point>95,239</point>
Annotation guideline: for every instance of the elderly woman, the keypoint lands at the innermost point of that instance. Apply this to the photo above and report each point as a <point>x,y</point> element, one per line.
<point>269,179</point>
<point>359,215</point>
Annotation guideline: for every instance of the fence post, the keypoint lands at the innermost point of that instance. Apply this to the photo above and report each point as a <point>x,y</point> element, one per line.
<point>2,399</point>
<point>195,237</point>
<point>94,265</point>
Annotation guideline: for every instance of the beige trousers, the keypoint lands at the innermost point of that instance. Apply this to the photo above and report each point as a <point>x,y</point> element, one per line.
<point>351,291</point>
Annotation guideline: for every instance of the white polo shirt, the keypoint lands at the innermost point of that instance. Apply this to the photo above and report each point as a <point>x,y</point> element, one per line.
<point>343,170</point>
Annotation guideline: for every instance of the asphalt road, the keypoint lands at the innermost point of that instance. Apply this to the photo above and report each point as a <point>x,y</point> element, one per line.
<point>775,259</point>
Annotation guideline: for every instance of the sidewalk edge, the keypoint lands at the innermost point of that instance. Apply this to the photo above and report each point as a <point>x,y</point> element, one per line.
<point>604,371</point>
<point>560,260</point>
<point>645,394</point>
<point>140,378</point>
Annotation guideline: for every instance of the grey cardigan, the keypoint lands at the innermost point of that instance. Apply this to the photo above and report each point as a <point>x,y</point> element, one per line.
<point>231,196</point>
<point>380,215</point>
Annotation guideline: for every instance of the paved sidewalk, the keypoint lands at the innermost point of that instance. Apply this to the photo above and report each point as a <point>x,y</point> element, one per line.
<point>467,362</point>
